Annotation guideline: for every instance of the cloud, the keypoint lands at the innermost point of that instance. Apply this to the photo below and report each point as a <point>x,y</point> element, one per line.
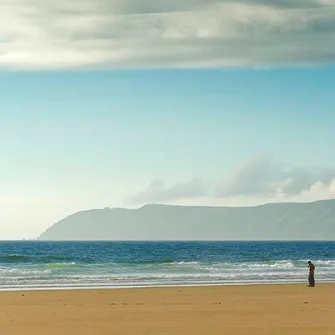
<point>255,176</point>
<point>36,34</point>
<point>263,176</point>
<point>157,191</point>
<point>319,191</point>
<point>260,178</point>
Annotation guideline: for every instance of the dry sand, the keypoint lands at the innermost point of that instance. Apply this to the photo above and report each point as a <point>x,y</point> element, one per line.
<point>263,309</point>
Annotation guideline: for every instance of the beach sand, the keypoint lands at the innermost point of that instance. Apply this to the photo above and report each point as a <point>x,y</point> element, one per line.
<point>259,309</point>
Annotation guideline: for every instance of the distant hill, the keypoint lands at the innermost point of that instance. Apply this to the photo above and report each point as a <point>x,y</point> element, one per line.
<point>280,221</point>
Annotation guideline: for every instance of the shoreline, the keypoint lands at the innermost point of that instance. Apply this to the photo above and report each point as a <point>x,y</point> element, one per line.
<point>239,310</point>
<point>163,286</point>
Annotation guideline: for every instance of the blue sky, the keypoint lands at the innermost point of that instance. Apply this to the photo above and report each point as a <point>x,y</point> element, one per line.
<point>172,123</point>
<point>216,103</point>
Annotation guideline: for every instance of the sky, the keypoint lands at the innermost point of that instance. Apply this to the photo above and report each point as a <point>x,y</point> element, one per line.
<point>122,103</point>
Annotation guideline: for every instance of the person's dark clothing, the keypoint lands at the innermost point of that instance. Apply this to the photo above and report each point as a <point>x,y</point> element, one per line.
<point>311,279</point>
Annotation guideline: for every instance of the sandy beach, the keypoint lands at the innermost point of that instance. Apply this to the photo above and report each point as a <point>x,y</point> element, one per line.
<point>259,309</point>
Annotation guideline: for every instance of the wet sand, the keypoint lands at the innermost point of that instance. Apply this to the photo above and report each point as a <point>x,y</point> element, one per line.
<point>237,310</point>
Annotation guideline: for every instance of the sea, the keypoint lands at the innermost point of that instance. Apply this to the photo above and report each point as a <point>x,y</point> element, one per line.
<point>63,265</point>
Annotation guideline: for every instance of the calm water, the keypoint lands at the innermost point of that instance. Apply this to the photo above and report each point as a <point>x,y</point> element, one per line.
<point>120,264</point>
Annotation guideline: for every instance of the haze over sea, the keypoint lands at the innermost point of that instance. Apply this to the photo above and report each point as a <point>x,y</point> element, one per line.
<point>37,265</point>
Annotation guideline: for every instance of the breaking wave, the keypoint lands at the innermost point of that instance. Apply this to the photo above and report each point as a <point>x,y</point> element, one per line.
<point>34,265</point>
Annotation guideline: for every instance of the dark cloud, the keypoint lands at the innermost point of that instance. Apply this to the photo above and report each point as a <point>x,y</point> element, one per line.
<point>174,33</point>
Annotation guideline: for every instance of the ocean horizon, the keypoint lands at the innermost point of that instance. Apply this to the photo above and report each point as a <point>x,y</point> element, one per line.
<point>114,264</point>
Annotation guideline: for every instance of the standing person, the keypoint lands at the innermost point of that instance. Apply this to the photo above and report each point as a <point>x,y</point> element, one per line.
<point>311,279</point>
